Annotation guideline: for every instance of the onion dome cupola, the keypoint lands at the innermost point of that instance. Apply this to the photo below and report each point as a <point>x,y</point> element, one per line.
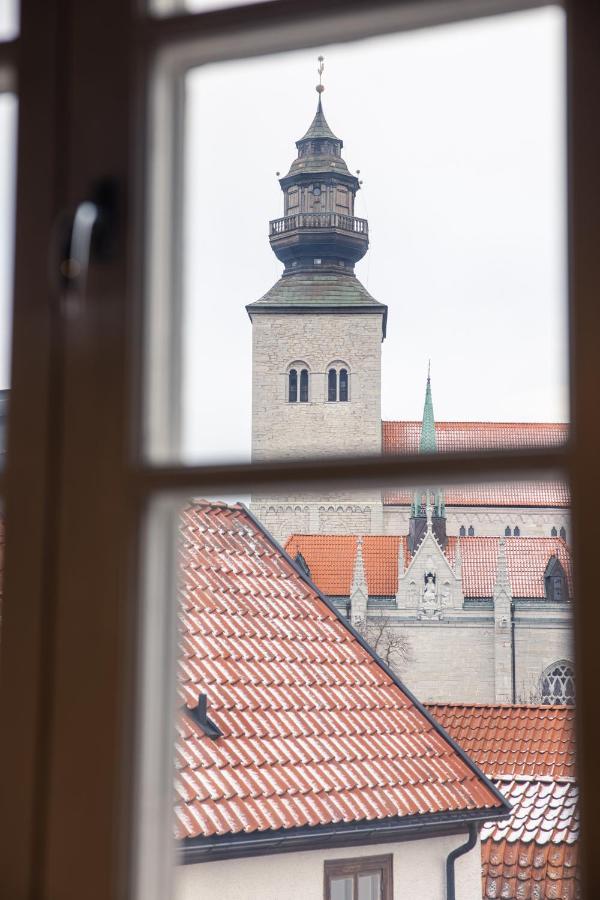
<point>319,227</point>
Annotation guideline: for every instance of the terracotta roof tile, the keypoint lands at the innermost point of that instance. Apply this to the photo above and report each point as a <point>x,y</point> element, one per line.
<point>530,753</point>
<point>512,739</point>
<point>313,730</point>
<point>526,557</point>
<point>403,437</point>
<point>331,559</point>
<point>534,853</point>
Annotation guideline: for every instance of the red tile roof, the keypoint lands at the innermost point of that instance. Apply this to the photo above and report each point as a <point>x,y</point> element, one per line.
<point>512,739</point>
<point>526,557</point>
<point>530,753</point>
<point>314,730</point>
<point>331,558</point>
<point>538,494</point>
<point>534,854</point>
<point>403,437</point>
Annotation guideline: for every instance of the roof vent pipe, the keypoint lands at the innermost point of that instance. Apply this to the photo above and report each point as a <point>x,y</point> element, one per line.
<point>199,715</point>
<point>453,856</point>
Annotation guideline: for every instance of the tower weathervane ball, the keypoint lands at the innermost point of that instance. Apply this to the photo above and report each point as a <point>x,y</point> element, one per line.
<point>320,86</point>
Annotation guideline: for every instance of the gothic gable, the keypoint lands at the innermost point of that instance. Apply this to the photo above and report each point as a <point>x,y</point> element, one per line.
<point>430,585</point>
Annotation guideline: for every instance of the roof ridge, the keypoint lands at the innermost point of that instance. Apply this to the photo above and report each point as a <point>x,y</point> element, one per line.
<point>545,779</point>
<point>417,422</point>
<point>460,704</point>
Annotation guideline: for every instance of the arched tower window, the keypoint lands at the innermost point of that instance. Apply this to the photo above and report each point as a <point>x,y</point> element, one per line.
<point>338,381</point>
<point>471,531</point>
<point>304,386</point>
<point>462,531</point>
<point>343,384</point>
<point>558,683</point>
<point>517,531</point>
<point>507,531</point>
<point>332,385</point>
<point>563,533</point>
<point>293,385</point>
<point>554,532</point>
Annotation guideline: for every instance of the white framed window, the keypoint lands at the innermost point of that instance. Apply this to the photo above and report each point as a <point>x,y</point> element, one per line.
<point>80,478</point>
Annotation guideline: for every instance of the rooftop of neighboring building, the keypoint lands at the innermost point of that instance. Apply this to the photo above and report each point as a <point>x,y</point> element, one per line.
<point>331,559</point>
<point>304,727</point>
<point>513,739</point>
<point>529,751</point>
<point>404,437</point>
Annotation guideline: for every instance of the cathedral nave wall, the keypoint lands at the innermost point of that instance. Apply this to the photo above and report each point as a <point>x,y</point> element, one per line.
<point>541,639</point>
<point>450,662</point>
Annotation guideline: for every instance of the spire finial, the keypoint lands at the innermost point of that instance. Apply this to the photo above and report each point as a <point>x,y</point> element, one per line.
<point>428,370</point>
<point>320,86</point>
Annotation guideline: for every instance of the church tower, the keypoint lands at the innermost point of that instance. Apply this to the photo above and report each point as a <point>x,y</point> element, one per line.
<point>317,333</point>
<point>316,341</point>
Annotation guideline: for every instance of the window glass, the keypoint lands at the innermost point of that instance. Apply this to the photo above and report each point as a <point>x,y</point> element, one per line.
<point>369,886</point>
<point>293,386</point>
<point>468,173</point>
<point>9,19</point>
<point>304,386</point>
<point>423,597</point>
<point>343,384</point>
<point>332,385</point>
<point>8,123</point>
<point>341,889</point>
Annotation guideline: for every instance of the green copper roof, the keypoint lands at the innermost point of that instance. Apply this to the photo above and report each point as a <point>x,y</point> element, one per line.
<point>319,127</point>
<point>427,441</point>
<point>427,444</point>
<point>317,289</point>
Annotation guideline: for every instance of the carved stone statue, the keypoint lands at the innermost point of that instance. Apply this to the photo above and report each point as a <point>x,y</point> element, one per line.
<point>429,591</point>
<point>429,603</point>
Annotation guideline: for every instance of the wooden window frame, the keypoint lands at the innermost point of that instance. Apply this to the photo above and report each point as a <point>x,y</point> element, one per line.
<point>362,865</point>
<point>74,435</point>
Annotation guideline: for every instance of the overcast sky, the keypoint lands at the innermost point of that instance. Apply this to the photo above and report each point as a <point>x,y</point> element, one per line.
<point>458,133</point>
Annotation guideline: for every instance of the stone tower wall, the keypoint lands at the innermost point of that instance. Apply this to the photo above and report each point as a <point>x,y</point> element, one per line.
<point>285,430</point>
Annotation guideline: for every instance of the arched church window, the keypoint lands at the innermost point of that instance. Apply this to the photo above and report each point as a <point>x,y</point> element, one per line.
<point>554,532</point>
<point>332,385</point>
<point>343,384</point>
<point>462,531</point>
<point>471,531</point>
<point>517,531</point>
<point>293,386</point>
<point>563,533</point>
<point>558,684</point>
<point>304,386</point>
<point>507,531</point>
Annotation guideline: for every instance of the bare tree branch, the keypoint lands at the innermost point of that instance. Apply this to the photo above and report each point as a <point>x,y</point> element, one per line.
<point>384,636</point>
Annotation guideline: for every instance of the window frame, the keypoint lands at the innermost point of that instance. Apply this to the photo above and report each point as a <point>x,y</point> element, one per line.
<point>72,397</point>
<point>362,865</point>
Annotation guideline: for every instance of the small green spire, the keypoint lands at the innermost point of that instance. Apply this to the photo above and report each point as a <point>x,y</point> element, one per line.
<point>427,442</point>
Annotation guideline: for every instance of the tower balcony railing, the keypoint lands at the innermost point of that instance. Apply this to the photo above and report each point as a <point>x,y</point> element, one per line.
<point>318,220</point>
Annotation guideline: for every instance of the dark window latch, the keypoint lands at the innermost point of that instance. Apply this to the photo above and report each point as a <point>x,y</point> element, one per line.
<point>89,235</point>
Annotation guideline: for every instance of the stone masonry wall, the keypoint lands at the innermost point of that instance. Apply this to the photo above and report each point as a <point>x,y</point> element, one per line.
<point>450,662</point>
<point>455,661</point>
<point>286,430</point>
